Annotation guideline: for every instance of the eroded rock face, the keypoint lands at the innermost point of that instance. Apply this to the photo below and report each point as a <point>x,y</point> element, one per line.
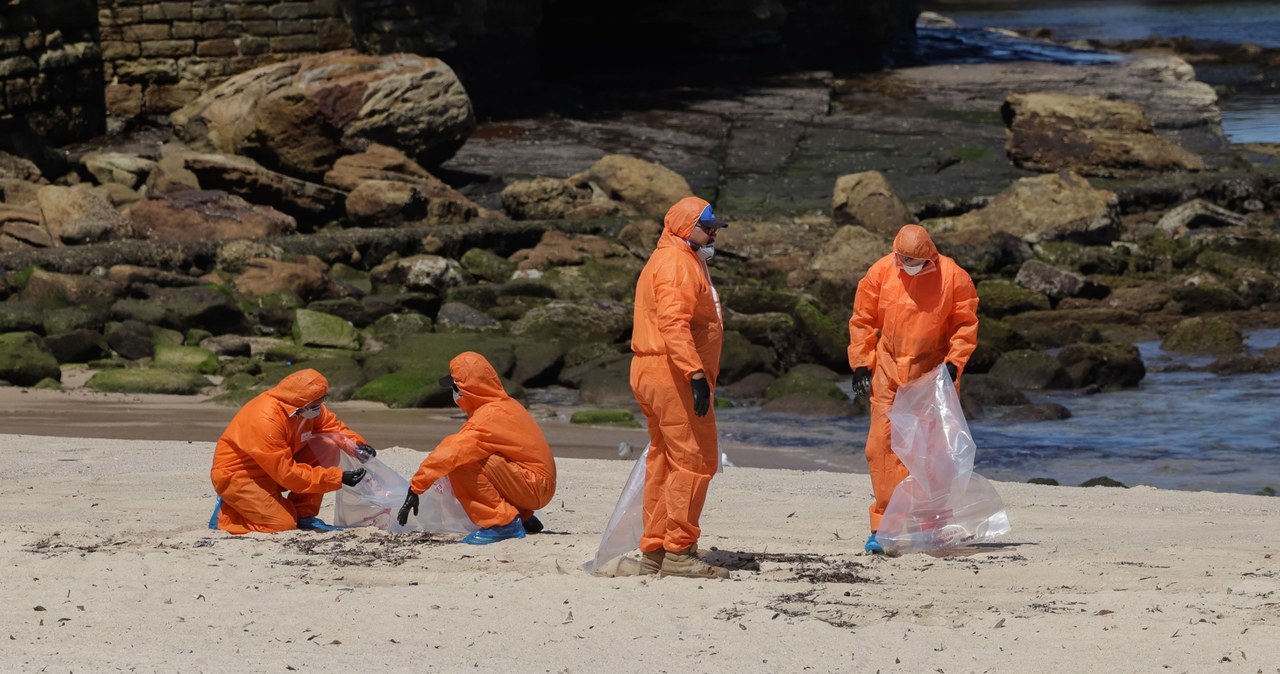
<point>1051,131</point>
<point>298,117</point>
<point>206,215</point>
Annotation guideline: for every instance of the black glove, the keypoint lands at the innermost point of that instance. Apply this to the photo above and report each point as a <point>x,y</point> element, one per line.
<point>410,503</point>
<point>365,452</point>
<point>861,382</point>
<point>953,371</point>
<point>701,396</point>
<point>352,478</point>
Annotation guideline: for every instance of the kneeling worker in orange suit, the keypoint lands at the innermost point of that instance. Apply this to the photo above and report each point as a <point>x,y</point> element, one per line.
<point>499,463</point>
<point>263,453</point>
<point>677,335</point>
<point>914,309</point>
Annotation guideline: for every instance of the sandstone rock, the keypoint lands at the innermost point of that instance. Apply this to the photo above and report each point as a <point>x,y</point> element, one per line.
<point>1195,214</point>
<point>458,317</point>
<point>1051,207</point>
<point>868,201</point>
<point>431,273</point>
<point>643,187</point>
<point>125,169</point>
<point>391,203</point>
<point>557,249</point>
<point>78,215</point>
<point>205,215</point>
<point>299,116</point>
<point>1086,134</point>
<point>1204,334</point>
<point>52,289</point>
<point>544,199</point>
<point>262,277</point>
<point>309,203</point>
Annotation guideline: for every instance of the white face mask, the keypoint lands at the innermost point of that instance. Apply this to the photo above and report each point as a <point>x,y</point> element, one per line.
<point>310,413</point>
<point>707,252</point>
<point>914,269</point>
<point>457,395</point>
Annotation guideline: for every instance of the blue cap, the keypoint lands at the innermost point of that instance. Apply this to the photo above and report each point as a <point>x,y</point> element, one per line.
<point>709,219</point>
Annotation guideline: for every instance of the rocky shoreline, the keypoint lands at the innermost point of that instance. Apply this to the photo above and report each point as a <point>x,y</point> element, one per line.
<point>259,232</point>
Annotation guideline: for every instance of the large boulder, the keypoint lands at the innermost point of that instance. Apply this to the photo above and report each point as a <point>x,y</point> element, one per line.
<point>309,203</point>
<point>299,116</point>
<point>79,215</point>
<point>1087,134</point>
<point>642,187</point>
<point>1204,335</point>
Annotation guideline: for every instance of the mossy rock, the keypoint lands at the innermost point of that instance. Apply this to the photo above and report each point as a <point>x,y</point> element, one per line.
<point>1084,259</point>
<point>605,417</point>
<point>352,277</point>
<point>195,336</point>
<point>49,384</point>
<point>1000,297</point>
<point>1043,480</point>
<point>798,383</point>
<point>239,381</point>
<point>487,265</point>
<point>25,360</point>
<point>1204,334</point>
<point>148,380</point>
<point>290,354</point>
<point>1103,481</point>
<point>406,388</point>
<point>312,328</point>
<point>594,279</point>
<point>185,358</point>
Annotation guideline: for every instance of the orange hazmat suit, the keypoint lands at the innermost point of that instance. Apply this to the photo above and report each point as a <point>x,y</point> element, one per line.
<point>902,328</point>
<point>677,332</point>
<point>263,453</point>
<point>499,462</point>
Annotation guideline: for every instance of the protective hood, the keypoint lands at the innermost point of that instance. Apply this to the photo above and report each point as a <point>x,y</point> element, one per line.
<point>683,216</point>
<point>300,389</point>
<point>914,241</point>
<point>477,380</point>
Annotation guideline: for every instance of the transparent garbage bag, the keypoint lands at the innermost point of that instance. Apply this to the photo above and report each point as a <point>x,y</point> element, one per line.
<point>376,500</point>
<point>626,524</point>
<point>943,504</point>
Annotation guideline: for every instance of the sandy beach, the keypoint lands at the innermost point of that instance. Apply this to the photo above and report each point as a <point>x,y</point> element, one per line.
<point>110,566</point>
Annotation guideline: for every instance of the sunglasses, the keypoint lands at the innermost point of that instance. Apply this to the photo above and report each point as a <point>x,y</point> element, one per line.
<point>312,407</point>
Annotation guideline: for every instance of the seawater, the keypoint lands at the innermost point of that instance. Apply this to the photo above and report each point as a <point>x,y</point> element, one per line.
<point>1252,117</point>
<point>1181,429</point>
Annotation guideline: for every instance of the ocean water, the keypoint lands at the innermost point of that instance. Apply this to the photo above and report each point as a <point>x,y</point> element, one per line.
<point>1181,429</point>
<point>1251,117</point>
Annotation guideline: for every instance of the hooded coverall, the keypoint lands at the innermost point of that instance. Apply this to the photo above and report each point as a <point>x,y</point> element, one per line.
<point>499,462</point>
<point>263,453</point>
<point>902,328</point>
<point>677,332</point>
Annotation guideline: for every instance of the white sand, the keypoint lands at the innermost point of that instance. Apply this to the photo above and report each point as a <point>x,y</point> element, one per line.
<point>109,566</point>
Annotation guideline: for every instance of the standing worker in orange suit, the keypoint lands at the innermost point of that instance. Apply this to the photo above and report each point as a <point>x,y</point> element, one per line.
<point>263,453</point>
<point>677,335</point>
<point>913,310</point>
<point>499,463</point>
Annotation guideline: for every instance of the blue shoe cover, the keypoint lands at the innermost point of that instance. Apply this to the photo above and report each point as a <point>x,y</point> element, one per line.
<point>494,534</point>
<point>217,508</point>
<point>315,524</point>
<point>873,546</point>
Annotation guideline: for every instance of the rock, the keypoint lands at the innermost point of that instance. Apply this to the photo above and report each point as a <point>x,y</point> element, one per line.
<point>804,404</point>
<point>1204,334</point>
<point>360,312</point>
<point>122,168</point>
<point>998,297</point>
<point>798,383</point>
<point>622,418</point>
<point>21,316</point>
<point>77,215</point>
<point>262,277</point>
<point>1038,412</point>
<point>148,380</point>
<point>1056,283</point>
<point>989,390</point>
<point>391,203</point>
<point>25,360</point>
<point>1088,135</point>
<point>297,117</point>
<point>52,290</point>
<point>310,204</point>
<point>606,382</point>
<point>486,265</point>
<point>603,321</point>
<point>557,249</point>
<point>868,201</point>
<point>312,328</point>
<point>77,346</point>
<point>185,359</point>
<point>429,273</point>
<point>183,309</point>
<point>1054,207</point>
<point>1030,369</point>
<point>739,358</point>
<point>545,199</point>
<point>848,254</point>
<point>750,387</point>
<point>1195,214</point>
<point>458,317</point>
<point>205,215</point>
<point>1110,365</point>
<point>1102,481</point>
<point>132,339</point>
<point>228,346</point>
<point>22,226</point>
<point>643,187</point>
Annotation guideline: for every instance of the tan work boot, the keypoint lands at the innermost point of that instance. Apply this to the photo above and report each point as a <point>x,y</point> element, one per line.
<point>685,564</point>
<point>651,562</point>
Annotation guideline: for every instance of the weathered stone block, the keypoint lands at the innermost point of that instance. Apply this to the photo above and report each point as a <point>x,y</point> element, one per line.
<point>208,11</point>
<point>174,48</point>
<point>248,12</point>
<point>124,100</point>
<point>184,30</point>
<point>217,47</point>
<point>18,65</point>
<point>114,50</point>
<point>293,10</point>
<point>144,32</point>
<point>176,11</point>
<point>293,43</point>
<point>148,70</point>
<point>294,26</point>
<point>250,45</point>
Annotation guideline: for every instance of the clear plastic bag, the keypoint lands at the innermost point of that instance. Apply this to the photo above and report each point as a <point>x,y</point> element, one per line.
<point>375,501</point>
<point>942,504</point>
<point>626,524</point>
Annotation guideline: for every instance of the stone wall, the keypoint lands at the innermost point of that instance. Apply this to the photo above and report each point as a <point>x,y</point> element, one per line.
<point>50,70</point>
<point>158,56</point>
